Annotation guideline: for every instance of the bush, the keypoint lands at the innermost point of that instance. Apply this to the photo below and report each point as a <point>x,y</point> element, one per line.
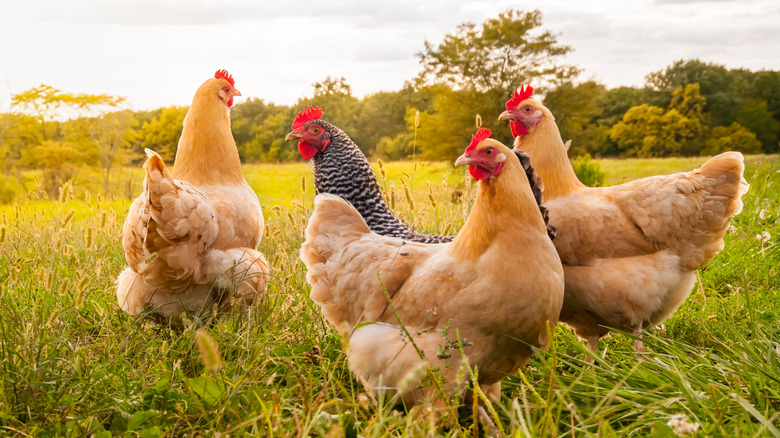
<point>8,190</point>
<point>588,171</point>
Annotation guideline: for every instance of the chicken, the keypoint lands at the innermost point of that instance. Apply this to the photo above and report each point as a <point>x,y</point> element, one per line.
<point>340,168</point>
<point>190,238</point>
<point>630,252</point>
<point>469,289</point>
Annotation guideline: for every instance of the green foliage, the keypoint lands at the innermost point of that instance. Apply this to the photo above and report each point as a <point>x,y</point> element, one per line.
<point>502,53</point>
<point>58,160</point>
<point>731,138</point>
<point>445,132</point>
<point>648,131</point>
<point>577,110</point>
<point>161,134</point>
<point>722,88</point>
<point>767,86</point>
<point>47,103</point>
<point>259,131</point>
<point>338,104</point>
<point>755,116</point>
<point>398,148</point>
<point>9,190</point>
<point>588,171</point>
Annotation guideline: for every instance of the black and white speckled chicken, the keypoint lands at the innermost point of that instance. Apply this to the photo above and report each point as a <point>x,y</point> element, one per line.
<point>341,168</point>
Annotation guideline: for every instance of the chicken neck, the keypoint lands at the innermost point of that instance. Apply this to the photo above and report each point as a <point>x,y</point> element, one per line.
<point>207,152</point>
<point>549,158</point>
<point>505,209</point>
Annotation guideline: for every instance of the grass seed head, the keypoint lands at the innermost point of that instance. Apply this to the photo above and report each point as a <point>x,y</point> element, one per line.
<point>408,194</point>
<point>303,184</point>
<point>208,349</point>
<point>53,319</point>
<point>381,165</point>
<point>68,219</point>
<point>79,302</point>
<point>82,284</point>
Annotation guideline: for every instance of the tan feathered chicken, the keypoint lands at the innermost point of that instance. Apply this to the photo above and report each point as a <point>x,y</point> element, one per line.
<point>630,252</point>
<point>498,284</point>
<point>190,238</point>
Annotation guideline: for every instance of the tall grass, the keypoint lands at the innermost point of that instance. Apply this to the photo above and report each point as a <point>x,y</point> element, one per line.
<point>73,364</point>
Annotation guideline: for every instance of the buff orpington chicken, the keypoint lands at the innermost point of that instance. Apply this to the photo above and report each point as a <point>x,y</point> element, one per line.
<point>191,237</point>
<point>630,252</point>
<point>498,284</point>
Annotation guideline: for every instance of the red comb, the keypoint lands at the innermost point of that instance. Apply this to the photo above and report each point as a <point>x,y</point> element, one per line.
<point>525,92</point>
<point>478,137</point>
<point>223,74</point>
<point>305,115</point>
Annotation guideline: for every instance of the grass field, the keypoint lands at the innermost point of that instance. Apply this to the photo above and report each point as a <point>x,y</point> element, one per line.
<point>73,364</point>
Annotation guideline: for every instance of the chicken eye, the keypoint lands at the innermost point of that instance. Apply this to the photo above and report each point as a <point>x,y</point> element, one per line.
<point>315,130</point>
<point>489,152</point>
<point>528,109</point>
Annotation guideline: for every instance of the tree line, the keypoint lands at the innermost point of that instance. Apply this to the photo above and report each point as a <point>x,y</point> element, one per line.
<point>691,107</point>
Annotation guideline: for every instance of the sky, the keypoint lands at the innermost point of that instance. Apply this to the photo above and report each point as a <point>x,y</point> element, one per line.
<point>155,53</point>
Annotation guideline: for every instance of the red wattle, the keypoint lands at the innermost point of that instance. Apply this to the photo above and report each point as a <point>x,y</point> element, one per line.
<point>518,129</point>
<point>307,151</point>
<point>498,169</point>
<point>479,173</point>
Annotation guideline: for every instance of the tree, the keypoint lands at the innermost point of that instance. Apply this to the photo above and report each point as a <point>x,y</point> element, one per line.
<point>767,86</point>
<point>577,110</point>
<point>731,138</point>
<point>692,127</point>
<point>444,132</point>
<point>754,115</point>
<point>383,115</point>
<point>648,131</point>
<point>113,134</point>
<point>249,119</point>
<point>338,104</point>
<point>58,160</point>
<point>47,103</point>
<point>162,133</point>
<point>502,53</point>
<point>722,89</point>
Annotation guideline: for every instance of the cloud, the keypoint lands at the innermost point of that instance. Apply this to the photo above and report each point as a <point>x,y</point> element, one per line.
<point>210,12</point>
<point>669,2</point>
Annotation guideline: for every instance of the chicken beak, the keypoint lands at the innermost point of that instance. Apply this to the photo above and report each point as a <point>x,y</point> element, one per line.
<point>293,136</point>
<point>463,160</point>
<point>236,92</point>
<point>506,115</point>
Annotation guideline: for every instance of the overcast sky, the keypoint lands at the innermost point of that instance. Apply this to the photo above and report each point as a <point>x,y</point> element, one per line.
<point>157,52</point>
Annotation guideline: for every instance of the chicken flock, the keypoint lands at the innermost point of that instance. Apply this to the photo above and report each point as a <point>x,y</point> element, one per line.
<point>622,257</point>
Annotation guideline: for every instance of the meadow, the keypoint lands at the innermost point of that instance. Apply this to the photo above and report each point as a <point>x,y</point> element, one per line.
<point>73,364</point>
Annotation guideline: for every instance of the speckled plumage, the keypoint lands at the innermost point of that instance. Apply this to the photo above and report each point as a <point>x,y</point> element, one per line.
<point>341,169</point>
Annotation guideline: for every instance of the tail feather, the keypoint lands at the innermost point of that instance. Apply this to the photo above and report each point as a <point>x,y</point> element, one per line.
<point>727,170</point>
<point>725,185</point>
<point>332,225</point>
